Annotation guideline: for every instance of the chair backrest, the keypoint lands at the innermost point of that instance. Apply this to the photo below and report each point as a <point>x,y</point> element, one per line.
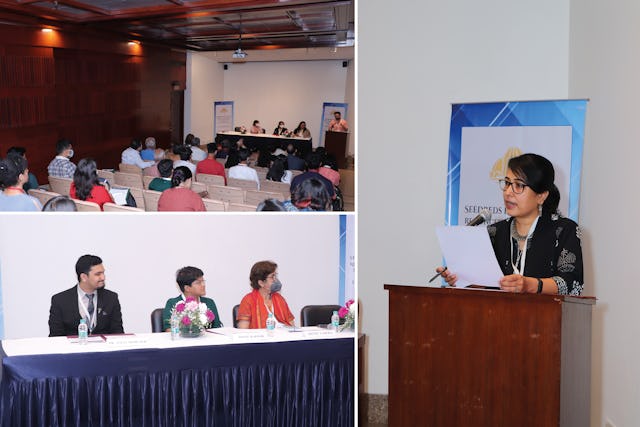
<point>60,185</point>
<point>138,197</point>
<point>254,198</point>
<point>262,172</point>
<point>235,315</point>
<point>227,194</point>
<point>42,195</point>
<point>84,206</point>
<point>151,200</point>
<point>156,320</point>
<point>198,187</point>
<point>214,205</point>
<point>112,207</point>
<point>313,315</point>
<point>245,184</point>
<point>106,174</point>
<point>276,187</point>
<point>240,207</point>
<point>129,168</point>
<point>146,180</point>
<point>207,179</point>
<point>126,179</point>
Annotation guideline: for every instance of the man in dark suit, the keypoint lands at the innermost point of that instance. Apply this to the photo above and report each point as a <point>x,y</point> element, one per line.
<point>87,300</point>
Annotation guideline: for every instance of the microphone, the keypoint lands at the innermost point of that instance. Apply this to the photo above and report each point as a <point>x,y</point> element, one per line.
<point>483,216</point>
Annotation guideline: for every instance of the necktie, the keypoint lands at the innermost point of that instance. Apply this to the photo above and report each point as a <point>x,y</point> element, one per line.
<point>90,309</point>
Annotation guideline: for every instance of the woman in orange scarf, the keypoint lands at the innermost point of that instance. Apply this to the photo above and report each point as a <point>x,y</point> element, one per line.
<point>264,299</point>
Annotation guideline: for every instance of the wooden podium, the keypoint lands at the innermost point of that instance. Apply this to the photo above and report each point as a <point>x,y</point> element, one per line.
<point>336,144</point>
<point>460,357</point>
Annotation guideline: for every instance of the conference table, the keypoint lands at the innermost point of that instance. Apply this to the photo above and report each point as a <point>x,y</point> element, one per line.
<point>226,377</point>
<point>258,140</point>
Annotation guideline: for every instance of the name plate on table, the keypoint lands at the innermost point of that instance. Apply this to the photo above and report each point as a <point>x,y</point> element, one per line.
<point>91,338</point>
<point>318,333</point>
<point>253,335</point>
<point>124,339</point>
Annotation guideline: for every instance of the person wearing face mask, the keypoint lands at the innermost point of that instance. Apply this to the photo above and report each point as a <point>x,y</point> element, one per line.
<point>280,129</point>
<point>264,299</point>
<point>61,166</point>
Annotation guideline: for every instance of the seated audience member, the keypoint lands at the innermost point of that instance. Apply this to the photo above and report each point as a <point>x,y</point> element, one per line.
<point>131,156</point>
<point>87,300</point>
<point>189,139</point>
<point>180,197</point>
<point>256,128</point>
<point>338,124</point>
<point>309,195</point>
<point>210,165</point>
<point>33,181</point>
<point>60,204</point>
<point>150,148</point>
<point>61,166</point>
<point>301,131</point>
<point>329,170</point>
<point>278,171</point>
<point>233,159</point>
<point>294,162</point>
<point>13,175</point>
<point>223,149</point>
<point>192,284</point>
<point>184,151</point>
<point>280,130</point>
<point>264,155</point>
<point>165,167</point>
<point>197,153</point>
<point>314,161</point>
<point>278,152</point>
<point>242,170</point>
<point>264,299</point>
<point>86,184</point>
<point>158,155</point>
<point>270,205</point>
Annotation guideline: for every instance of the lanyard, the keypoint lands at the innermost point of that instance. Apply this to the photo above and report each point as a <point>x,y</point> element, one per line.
<point>91,319</point>
<point>524,249</point>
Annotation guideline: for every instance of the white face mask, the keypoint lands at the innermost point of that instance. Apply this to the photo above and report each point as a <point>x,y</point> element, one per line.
<point>280,126</point>
<point>70,155</point>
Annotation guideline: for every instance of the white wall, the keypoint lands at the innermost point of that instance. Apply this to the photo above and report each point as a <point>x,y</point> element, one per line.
<point>604,67</point>
<point>414,60</point>
<point>292,91</point>
<point>141,254</point>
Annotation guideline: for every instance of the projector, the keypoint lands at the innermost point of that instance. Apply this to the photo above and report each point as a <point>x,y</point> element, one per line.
<point>239,54</point>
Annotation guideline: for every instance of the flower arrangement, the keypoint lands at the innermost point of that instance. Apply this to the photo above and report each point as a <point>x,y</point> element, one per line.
<point>192,315</point>
<point>348,314</point>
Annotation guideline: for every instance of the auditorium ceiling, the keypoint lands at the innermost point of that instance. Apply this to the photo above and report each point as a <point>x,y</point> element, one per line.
<point>216,25</point>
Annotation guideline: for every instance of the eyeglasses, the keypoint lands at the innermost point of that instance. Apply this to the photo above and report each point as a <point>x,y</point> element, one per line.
<point>272,276</point>
<point>199,282</point>
<point>517,186</point>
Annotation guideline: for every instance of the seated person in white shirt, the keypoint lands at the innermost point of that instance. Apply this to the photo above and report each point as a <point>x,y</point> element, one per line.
<point>131,156</point>
<point>242,170</point>
<point>184,151</point>
<point>197,153</point>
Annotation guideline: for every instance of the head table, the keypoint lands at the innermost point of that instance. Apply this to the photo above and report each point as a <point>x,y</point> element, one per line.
<point>226,377</point>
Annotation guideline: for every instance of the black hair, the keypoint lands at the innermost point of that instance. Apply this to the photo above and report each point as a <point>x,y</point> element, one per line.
<point>243,154</point>
<point>10,170</point>
<point>184,151</point>
<point>180,175</point>
<point>188,139</point>
<point>314,160</point>
<point>270,205</point>
<point>277,169</point>
<point>85,178</point>
<point>187,275</point>
<point>212,147</point>
<point>62,145</point>
<point>84,264</point>
<point>538,173</point>
<point>264,157</point>
<point>135,144</point>
<point>255,122</point>
<point>312,190</point>
<point>260,271</point>
<point>59,204</point>
<point>232,159</point>
<point>300,124</point>
<point>165,167</point>
<point>330,161</point>
<point>20,151</point>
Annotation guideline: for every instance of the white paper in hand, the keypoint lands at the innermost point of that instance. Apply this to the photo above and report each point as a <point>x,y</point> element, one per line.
<point>469,255</point>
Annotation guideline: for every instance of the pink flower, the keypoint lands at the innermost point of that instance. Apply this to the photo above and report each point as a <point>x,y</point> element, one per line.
<point>343,312</point>
<point>186,321</point>
<point>210,316</point>
<point>348,303</point>
<point>180,307</point>
<point>189,299</point>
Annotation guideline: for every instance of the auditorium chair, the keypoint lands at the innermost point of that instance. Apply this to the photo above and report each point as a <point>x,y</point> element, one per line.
<point>42,195</point>
<point>253,197</point>
<point>275,187</point>
<point>126,179</point>
<point>112,207</point>
<point>198,187</point>
<point>84,206</point>
<point>146,180</point>
<point>151,198</point>
<point>207,179</point>
<point>214,205</point>
<point>227,194</point>
<point>234,313</point>
<point>106,174</point>
<point>240,207</point>
<point>245,184</point>
<point>313,315</point>
<point>156,320</point>
<point>129,168</point>
<point>60,185</point>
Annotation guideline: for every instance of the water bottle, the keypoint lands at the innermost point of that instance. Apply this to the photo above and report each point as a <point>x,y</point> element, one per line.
<point>83,331</point>
<point>335,321</point>
<point>271,325</point>
<point>175,326</point>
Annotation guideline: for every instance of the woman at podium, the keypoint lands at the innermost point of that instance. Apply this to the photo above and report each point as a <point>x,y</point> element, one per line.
<point>538,250</point>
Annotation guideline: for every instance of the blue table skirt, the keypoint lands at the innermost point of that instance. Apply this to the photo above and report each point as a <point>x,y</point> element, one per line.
<point>302,383</point>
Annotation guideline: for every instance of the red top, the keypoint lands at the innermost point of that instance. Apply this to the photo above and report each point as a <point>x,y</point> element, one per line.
<point>252,308</point>
<point>99,194</point>
<point>211,167</point>
<point>180,199</point>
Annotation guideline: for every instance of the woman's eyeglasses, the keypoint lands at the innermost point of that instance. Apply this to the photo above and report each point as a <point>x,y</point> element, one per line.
<point>517,186</point>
